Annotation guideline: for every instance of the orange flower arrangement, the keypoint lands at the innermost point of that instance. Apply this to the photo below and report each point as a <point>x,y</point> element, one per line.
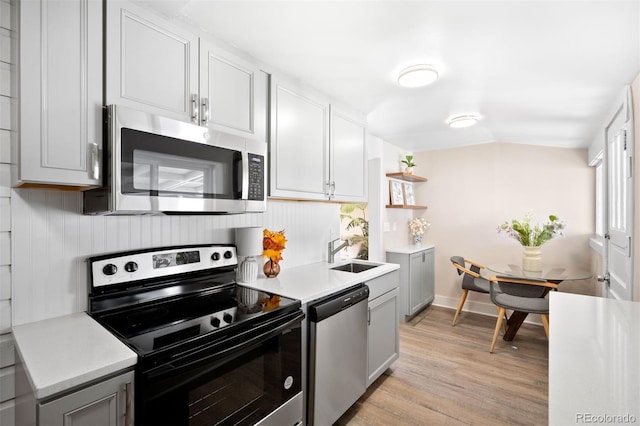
<point>272,244</point>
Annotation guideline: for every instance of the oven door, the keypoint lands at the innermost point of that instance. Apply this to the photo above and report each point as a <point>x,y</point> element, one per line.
<point>254,376</point>
<point>164,165</point>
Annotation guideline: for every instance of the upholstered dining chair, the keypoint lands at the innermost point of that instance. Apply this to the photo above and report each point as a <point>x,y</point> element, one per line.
<point>471,281</point>
<point>524,295</point>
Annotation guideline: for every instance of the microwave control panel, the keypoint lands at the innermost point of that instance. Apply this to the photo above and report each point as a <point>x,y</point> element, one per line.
<point>256,177</point>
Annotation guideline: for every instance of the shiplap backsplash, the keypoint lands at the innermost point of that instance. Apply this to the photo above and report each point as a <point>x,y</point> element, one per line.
<point>52,239</point>
<point>7,359</point>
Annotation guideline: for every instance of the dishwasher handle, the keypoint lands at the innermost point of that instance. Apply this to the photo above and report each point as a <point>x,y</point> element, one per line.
<point>337,303</point>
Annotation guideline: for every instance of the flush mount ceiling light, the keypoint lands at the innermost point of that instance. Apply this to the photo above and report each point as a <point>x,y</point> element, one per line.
<point>417,76</point>
<point>462,121</point>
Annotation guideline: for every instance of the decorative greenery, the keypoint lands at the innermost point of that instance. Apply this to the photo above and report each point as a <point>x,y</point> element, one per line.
<point>529,235</point>
<point>418,226</point>
<point>408,160</point>
<point>272,244</point>
<point>347,212</point>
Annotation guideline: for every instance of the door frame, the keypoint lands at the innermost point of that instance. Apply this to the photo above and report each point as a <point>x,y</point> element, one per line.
<point>620,119</point>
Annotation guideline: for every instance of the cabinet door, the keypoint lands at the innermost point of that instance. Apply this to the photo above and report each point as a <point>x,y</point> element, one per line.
<point>152,65</point>
<point>348,158</point>
<point>383,334</point>
<point>299,149</point>
<point>60,91</point>
<point>428,274</point>
<point>108,403</point>
<point>416,282</point>
<point>233,93</point>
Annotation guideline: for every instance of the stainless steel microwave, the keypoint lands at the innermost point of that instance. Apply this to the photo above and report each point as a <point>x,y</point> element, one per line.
<point>157,165</point>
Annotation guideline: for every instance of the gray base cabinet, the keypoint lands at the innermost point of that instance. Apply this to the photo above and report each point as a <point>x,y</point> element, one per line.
<point>417,278</point>
<point>105,403</point>
<point>383,346</point>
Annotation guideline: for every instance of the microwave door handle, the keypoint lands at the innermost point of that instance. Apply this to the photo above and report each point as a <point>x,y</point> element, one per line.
<point>245,175</point>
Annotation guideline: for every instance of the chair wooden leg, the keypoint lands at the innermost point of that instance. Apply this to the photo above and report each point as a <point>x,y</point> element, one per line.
<point>504,324</point>
<point>545,324</point>
<point>501,314</point>
<point>463,297</point>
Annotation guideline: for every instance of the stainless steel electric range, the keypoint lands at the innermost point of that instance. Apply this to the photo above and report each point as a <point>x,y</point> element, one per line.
<point>209,350</point>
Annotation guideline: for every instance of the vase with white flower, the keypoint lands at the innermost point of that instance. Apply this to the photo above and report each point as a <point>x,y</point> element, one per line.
<point>532,237</point>
<point>418,226</point>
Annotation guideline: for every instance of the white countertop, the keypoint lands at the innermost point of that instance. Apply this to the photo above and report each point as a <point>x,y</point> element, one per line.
<point>316,280</point>
<point>67,351</point>
<point>411,249</point>
<point>594,360</point>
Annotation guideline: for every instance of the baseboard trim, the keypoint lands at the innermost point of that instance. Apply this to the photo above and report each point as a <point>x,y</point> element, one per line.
<point>476,307</point>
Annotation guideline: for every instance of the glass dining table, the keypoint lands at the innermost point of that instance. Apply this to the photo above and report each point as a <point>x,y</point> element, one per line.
<point>553,273</point>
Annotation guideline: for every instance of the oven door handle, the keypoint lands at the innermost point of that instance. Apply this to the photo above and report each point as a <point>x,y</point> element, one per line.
<point>223,355</point>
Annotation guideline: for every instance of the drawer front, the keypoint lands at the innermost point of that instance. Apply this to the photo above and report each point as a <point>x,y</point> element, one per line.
<point>382,284</point>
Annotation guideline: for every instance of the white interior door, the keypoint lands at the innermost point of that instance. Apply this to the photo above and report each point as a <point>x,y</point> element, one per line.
<point>618,261</point>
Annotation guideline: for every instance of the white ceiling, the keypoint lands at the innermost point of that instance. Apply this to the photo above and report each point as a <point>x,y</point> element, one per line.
<point>537,72</point>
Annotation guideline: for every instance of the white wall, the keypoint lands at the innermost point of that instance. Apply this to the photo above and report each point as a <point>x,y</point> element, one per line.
<point>472,190</point>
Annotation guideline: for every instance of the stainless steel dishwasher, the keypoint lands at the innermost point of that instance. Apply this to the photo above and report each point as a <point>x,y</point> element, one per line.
<point>337,354</point>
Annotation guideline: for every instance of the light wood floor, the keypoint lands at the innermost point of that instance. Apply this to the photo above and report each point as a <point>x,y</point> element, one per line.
<point>446,376</point>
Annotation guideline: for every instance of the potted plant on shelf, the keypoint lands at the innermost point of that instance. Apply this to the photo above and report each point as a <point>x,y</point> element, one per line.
<point>408,161</point>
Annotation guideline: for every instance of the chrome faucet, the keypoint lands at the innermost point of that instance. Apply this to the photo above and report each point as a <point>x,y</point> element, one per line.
<point>332,251</point>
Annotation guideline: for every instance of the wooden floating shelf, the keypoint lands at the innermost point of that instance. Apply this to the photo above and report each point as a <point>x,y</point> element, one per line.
<point>404,206</point>
<point>406,177</point>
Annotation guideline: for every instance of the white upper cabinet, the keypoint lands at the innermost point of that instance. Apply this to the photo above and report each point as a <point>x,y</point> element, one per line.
<point>299,151</point>
<point>348,157</point>
<point>158,67</point>
<point>60,131</point>
<point>317,151</point>
<point>233,93</point>
<point>152,65</point>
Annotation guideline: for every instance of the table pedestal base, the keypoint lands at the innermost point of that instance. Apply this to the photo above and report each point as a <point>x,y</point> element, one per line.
<point>513,324</point>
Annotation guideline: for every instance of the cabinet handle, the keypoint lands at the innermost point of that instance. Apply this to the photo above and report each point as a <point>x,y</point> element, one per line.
<point>127,413</point>
<point>205,112</point>
<point>94,150</point>
<point>368,316</point>
<point>194,108</point>
<point>333,189</point>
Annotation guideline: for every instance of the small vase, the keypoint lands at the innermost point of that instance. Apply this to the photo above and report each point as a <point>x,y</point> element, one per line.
<point>248,272</point>
<point>271,269</point>
<point>417,240</point>
<point>532,258</point>
<point>409,170</point>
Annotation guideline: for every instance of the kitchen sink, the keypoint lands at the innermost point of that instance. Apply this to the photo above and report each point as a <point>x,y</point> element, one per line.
<point>355,267</point>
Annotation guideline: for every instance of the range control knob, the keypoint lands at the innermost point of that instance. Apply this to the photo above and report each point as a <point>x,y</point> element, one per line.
<point>110,269</point>
<point>215,256</point>
<point>228,254</point>
<point>227,318</point>
<point>131,266</point>
<point>215,321</point>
